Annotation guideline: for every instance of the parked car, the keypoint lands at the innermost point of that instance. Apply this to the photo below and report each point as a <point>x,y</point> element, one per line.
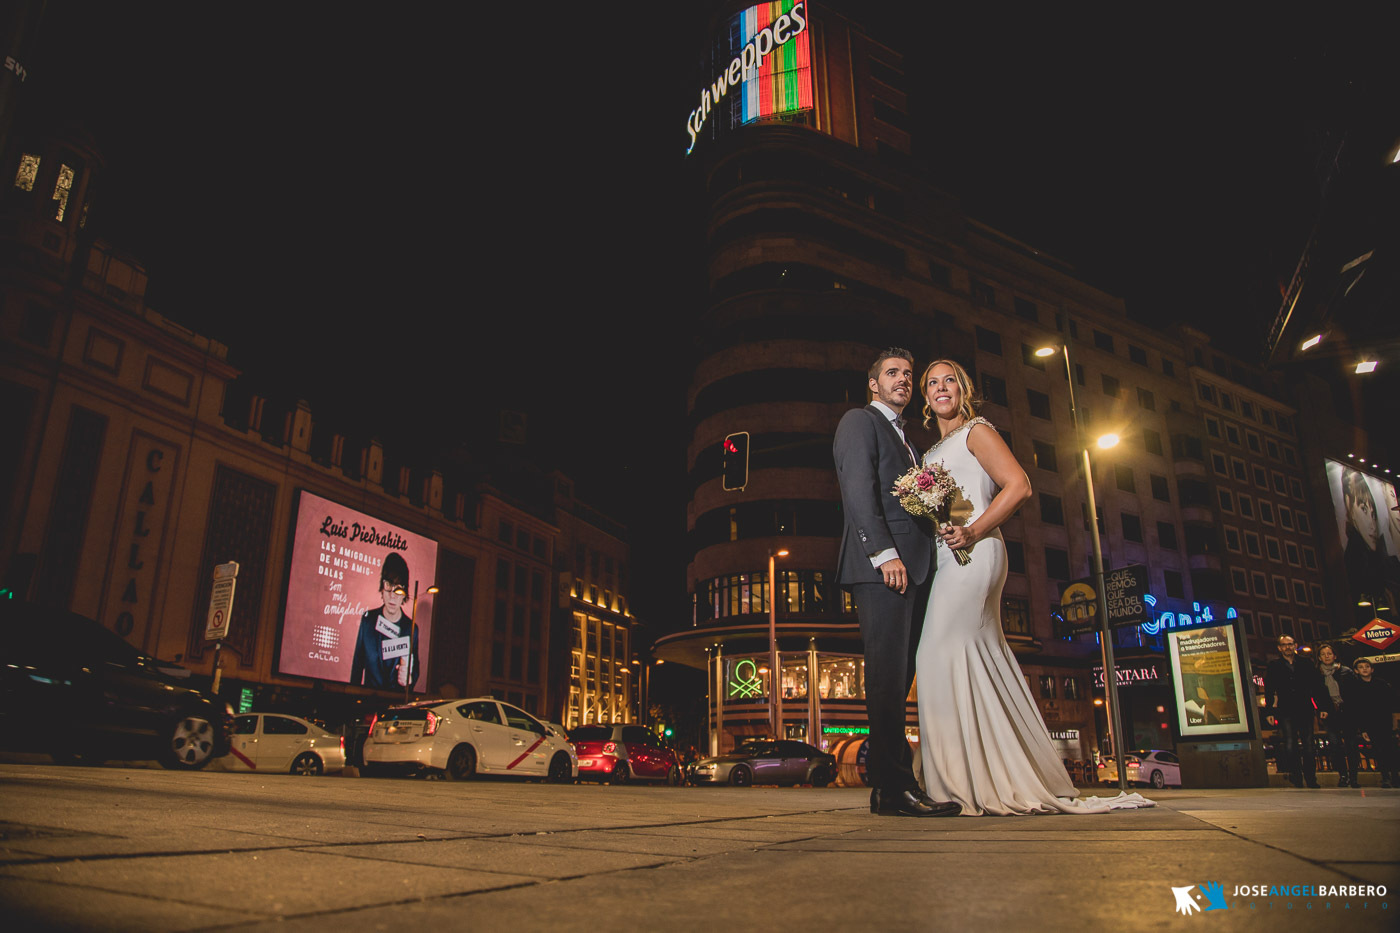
<point>464,738</point>
<point>77,690</point>
<point>278,742</point>
<point>765,761</point>
<point>619,753</point>
<point>1157,767</point>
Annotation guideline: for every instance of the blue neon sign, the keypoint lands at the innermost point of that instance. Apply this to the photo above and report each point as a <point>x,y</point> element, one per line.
<point>1199,616</point>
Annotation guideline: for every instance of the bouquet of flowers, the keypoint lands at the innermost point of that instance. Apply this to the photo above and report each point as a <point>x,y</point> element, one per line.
<point>928,492</point>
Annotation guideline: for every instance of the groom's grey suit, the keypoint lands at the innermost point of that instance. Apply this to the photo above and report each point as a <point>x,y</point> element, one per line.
<point>869,458</point>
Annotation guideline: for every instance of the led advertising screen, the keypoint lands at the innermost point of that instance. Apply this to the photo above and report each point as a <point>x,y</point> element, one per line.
<point>760,66</point>
<point>1206,680</point>
<point>351,615</point>
<point>1368,527</point>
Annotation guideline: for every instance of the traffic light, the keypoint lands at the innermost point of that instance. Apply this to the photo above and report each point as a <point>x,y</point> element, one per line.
<point>736,460</point>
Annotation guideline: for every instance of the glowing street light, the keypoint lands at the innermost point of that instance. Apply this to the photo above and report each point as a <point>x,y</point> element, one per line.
<point>775,677</point>
<point>1110,671</point>
<point>1366,366</point>
<point>1311,342</point>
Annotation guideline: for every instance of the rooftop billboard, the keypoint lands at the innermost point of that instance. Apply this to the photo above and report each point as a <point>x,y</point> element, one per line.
<point>760,65</point>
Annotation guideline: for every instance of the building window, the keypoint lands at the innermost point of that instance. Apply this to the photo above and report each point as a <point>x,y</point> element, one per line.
<point>1110,385</point>
<point>994,389</point>
<point>1266,512</point>
<point>1239,580</point>
<point>1251,544</point>
<point>1261,478</point>
<point>1073,690</point>
<point>1146,399</point>
<point>1309,558</point>
<point>1132,527</point>
<point>1261,584</point>
<point>1103,341</point>
<point>1172,583</point>
<point>1124,476</point>
<point>1304,526</point>
<point>988,341</point>
<point>1280,589</point>
<point>1047,686</point>
<point>1051,509</point>
<point>1015,556</point>
<point>1251,440</point>
<point>1272,549</point>
<point>1168,368</point>
<point>1137,355</point>
<point>1026,309</point>
<point>1217,462</point>
<point>1226,402</point>
<point>1039,404</point>
<point>1213,427</point>
<point>1316,592</point>
<point>1161,489</point>
<point>982,293</point>
<point>1207,393</point>
<point>1166,535</point>
<point>1057,563</point>
<point>1246,506</point>
<point>1015,616</point>
<point>1151,441</point>
<point>1285,517</point>
<point>1044,455</point>
<point>1266,625</point>
<point>1232,539</point>
<point>1300,593</point>
<point>1227,500</point>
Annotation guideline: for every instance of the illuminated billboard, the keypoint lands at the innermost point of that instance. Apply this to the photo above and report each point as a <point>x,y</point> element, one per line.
<point>759,66</point>
<point>1368,529</point>
<point>351,611</point>
<point>1207,690</point>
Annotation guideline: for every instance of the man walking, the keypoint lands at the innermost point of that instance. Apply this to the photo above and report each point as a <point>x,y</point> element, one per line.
<point>1293,695</point>
<point>886,561</point>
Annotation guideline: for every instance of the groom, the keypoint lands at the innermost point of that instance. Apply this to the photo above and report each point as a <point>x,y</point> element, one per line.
<point>886,561</point>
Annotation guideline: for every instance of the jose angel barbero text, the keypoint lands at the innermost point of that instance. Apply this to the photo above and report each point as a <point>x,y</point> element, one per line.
<point>1310,890</point>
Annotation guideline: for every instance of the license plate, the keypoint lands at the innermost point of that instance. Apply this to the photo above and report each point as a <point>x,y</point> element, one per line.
<point>585,762</point>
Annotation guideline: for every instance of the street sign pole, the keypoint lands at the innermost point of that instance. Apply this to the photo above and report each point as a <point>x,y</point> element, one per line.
<point>220,613</point>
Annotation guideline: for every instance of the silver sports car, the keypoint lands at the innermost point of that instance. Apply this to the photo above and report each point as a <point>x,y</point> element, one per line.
<point>765,761</point>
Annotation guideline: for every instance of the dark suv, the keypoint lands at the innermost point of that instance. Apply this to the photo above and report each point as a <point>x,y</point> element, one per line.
<point>77,690</point>
<point>619,753</point>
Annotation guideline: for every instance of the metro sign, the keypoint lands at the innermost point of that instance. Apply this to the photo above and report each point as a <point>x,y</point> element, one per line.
<point>1378,635</point>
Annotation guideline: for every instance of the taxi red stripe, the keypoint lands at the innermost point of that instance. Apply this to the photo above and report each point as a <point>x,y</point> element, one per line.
<point>243,758</point>
<point>525,754</point>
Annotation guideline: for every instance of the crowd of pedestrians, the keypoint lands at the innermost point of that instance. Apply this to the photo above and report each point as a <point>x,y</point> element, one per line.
<point>1350,706</point>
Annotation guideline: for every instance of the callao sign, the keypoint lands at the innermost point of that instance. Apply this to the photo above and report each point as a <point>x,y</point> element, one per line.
<point>1377,634</point>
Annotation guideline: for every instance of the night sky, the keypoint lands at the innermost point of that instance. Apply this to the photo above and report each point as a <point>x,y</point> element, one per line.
<point>409,221</point>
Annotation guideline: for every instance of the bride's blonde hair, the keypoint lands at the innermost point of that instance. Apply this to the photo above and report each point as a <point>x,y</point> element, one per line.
<point>970,402</point>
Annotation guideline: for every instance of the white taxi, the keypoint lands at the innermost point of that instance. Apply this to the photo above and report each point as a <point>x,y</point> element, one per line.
<point>278,742</point>
<point>464,738</point>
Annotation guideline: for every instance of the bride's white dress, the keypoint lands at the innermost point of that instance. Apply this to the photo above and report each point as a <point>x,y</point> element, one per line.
<point>982,740</point>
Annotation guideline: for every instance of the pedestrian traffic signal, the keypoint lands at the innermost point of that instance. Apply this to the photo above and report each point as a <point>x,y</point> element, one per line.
<point>736,461</point>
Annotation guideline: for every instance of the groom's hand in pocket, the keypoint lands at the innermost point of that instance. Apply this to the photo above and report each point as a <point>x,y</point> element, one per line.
<point>895,574</point>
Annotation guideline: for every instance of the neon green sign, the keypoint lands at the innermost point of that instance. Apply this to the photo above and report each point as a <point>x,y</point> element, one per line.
<point>847,730</point>
<point>746,684</point>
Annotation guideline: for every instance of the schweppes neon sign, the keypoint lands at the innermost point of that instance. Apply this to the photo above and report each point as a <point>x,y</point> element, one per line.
<point>772,72</point>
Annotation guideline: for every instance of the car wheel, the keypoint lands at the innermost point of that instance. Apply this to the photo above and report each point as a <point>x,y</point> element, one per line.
<point>189,743</point>
<point>821,777</point>
<point>560,771</point>
<point>1158,781</point>
<point>674,777</point>
<point>307,763</point>
<point>741,776</point>
<point>620,773</point>
<point>461,764</point>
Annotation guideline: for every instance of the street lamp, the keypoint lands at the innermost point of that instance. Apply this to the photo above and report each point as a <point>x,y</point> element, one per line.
<point>410,660</point>
<point>775,673</point>
<point>1110,672</point>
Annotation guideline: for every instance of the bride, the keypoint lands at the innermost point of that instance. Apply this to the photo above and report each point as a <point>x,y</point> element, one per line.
<point>983,741</point>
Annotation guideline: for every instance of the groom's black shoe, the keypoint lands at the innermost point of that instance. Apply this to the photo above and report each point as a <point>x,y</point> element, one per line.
<point>909,803</point>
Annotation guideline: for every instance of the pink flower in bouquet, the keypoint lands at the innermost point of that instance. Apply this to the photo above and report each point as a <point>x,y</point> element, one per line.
<point>924,481</point>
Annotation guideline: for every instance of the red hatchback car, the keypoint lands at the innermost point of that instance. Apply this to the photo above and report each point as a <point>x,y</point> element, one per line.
<point>618,754</point>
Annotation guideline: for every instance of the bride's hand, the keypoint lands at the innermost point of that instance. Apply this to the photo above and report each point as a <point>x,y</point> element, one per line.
<point>959,536</point>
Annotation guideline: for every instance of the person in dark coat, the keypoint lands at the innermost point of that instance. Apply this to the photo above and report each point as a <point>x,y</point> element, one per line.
<point>1293,695</point>
<point>1371,703</point>
<point>1340,727</point>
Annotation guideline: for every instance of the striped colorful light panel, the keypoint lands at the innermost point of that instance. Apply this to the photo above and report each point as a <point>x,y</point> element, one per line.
<point>783,83</point>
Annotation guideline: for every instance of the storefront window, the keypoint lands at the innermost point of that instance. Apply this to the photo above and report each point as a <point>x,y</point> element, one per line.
<point>840,677</point>
<point>794,677</point>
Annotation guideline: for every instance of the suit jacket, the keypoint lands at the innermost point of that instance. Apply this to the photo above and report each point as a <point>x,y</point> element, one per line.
<point>869,458</point>
<point>1295,692</point>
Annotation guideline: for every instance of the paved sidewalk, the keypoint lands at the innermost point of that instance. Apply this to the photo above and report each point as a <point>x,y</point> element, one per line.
<point>127,849</point>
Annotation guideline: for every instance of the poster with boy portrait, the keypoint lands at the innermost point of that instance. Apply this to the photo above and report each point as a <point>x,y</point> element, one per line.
<point>351,614</point>
<point>1368,527</point>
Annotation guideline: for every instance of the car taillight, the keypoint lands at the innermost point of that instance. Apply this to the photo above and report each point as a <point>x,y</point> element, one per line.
<point>372,720</point>
<point>433,720</point>
<point>342,744</point>
<point>609,748</point>
<point>1132,761</point>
